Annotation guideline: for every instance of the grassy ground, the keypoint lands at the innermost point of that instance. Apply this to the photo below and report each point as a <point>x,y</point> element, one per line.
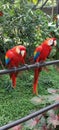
<point>16,104</point>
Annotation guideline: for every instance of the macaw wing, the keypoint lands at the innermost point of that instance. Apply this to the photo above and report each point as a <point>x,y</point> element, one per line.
<point>37,53</point>
<point>7,60</point>
<point>9,55</point>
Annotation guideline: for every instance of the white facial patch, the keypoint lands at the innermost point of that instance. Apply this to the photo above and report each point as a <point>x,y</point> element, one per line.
<point>18,50</point>
<point>22,53</point>
<point>50,42</point>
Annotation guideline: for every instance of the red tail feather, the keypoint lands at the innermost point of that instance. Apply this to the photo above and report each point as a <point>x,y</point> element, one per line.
<point>36,75</point>
<point>13,78</point>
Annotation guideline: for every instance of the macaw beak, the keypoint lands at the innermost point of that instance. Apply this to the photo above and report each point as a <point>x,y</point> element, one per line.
<point>23,53</point>
<point>55,43</point>
<point>7,60</point>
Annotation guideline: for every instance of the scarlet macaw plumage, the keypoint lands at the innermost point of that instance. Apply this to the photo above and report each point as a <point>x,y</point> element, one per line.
<point>40,55</point>
<point>13,58</point>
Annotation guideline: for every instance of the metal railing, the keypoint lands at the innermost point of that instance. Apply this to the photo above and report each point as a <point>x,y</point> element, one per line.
<point>28,67</point>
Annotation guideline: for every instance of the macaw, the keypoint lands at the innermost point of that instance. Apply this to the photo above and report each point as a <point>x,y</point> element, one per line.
<point>13,58</point>
<point>40,55</point>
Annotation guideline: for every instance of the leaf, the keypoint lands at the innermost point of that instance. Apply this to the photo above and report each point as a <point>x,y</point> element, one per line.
<point>36,100</point>
<point>31,123</point>
<point>54,97</point>
<point>18,127</point>
<point>51,113</point>
<point>34,1</point>
<point>52,91</point>
<point>53,120</point>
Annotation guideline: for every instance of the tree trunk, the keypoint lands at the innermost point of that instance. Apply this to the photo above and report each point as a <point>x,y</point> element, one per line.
<point>57,1</point>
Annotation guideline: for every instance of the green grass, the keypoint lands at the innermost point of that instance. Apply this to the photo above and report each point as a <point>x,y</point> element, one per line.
<point>16,104</point>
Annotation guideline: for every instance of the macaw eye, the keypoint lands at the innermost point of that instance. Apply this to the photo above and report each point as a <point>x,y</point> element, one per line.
<point>22,53</point>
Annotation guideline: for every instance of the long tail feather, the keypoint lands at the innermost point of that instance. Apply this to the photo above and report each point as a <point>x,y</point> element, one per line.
<point>13,78</point>
<point>36,75</point>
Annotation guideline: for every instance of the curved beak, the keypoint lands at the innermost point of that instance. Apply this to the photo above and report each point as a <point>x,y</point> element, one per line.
<point>23,53</point>
<point>55,43</point>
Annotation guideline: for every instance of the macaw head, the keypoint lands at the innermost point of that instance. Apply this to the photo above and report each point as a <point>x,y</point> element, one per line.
<point>52,42</point>
<point>20,51</point>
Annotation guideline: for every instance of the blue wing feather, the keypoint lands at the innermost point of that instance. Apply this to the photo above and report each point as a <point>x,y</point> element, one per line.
<point>7,61</point>
<point>36,55</point>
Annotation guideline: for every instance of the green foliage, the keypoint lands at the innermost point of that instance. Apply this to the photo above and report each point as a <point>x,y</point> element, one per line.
<point>22,25</point>
<point>54,31</point>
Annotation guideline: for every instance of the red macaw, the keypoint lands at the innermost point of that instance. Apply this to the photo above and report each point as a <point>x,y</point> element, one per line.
<point>40,55</point>
<point>13,58</point>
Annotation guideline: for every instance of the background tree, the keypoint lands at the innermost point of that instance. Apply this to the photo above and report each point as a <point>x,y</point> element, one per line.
<point>21,24</point>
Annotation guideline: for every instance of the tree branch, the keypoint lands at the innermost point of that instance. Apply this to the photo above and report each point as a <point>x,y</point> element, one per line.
<point>28,67</point>
<point>35,6</point>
